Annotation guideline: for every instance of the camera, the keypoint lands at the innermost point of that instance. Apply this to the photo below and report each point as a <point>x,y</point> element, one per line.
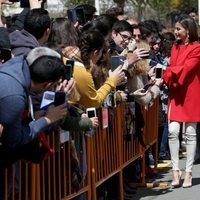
<point>76,15</point>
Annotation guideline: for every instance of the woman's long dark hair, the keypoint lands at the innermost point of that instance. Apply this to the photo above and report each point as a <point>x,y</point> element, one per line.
<point>90,41</point>
<point>62,34</point>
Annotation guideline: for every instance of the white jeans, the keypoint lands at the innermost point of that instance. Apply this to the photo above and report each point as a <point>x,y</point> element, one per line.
<point>190,136</point>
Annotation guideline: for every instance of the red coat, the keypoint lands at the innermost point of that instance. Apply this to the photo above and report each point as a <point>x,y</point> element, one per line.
<point>183,80</point>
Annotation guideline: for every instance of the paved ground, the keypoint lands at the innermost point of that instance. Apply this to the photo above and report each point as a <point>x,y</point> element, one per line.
<point>166,193</point>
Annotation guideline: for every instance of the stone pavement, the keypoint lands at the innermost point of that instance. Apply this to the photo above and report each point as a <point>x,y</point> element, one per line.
<point>166,192</point>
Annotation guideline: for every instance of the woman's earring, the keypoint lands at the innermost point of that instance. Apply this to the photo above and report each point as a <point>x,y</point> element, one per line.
<point>187,39</point>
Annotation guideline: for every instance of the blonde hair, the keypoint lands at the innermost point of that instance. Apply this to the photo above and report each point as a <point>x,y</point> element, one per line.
<point>142,66</point>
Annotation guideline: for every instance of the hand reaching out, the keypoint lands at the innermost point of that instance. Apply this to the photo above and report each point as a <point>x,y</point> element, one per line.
<point>123,95</point>
<point>35,4</point>
<point>140,92</point>
<point>118,75</point>
<point>137,55</point>
<point>131,45</point>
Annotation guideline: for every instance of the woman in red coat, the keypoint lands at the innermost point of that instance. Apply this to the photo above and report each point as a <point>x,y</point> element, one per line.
<point>183,80</point>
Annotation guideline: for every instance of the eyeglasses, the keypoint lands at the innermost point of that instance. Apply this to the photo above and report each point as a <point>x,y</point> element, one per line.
<point>125,37</point>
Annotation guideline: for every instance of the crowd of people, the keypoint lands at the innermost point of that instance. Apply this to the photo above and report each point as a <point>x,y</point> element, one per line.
<point>35,49</point>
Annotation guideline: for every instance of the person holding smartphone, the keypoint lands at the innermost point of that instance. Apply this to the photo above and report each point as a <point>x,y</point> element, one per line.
<point>182,79</point>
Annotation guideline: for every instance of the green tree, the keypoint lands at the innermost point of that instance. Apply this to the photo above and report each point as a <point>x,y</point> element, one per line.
<point>182,5</point>
<point>161,8</point>
<point>120,3</point>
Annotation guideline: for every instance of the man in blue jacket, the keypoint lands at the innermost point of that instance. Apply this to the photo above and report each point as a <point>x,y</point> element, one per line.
<point>39,71</point>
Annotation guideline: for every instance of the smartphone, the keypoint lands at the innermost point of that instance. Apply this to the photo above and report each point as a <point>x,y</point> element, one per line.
<point>14,1</point>
<point>5,54</point>
<point>76,14</point>
<point>80,16</point>
<point>116,61</point>
<point>147,86</point>
<point>69,69</point>
<point>158,72</point>
<point>91,112</point>
<point>60,98</point>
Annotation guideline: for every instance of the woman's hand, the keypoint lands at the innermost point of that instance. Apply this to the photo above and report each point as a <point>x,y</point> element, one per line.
<point>66,86</point>
<point>137,55</point>
<point>139,93</point>
<point>159,82</point>
<point>95,121</point>
<point>35,4</point>
<point>151,72</point>
<point>118,75</point>
<point>123,95</point>
<point>131,45</point>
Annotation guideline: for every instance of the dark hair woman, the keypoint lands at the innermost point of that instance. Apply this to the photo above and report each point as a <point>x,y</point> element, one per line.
<point>183,80</point>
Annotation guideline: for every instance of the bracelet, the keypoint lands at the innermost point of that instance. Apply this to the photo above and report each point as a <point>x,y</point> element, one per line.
<point>130,51</point>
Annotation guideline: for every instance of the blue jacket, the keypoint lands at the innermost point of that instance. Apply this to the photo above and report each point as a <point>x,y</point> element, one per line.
<point>14,88</point>
<point>22,42</point>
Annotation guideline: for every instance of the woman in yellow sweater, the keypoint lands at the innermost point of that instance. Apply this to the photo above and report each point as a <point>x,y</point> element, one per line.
<point>86,56</point>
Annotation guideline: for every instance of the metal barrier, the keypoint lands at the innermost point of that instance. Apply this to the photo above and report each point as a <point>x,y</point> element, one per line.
<point>102,156</point>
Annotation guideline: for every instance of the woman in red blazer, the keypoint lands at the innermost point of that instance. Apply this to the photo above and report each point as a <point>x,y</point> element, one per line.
<point>183,80</point>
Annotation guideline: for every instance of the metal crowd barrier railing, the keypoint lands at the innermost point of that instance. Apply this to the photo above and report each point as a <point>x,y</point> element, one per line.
<point>105,154</point>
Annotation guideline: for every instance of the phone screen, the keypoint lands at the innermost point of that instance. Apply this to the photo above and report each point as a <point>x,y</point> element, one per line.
<point>91,113</point>
<point>116,61</point>
<point>60,98</point>
<point>158,72</point>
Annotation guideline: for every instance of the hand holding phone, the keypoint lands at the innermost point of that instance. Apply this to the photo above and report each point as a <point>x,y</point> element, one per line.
<point>148,86</point>
<point>76,15</point>
<point>52,98</point>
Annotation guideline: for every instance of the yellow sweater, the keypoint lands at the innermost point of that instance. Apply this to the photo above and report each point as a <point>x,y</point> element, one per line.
<point>90,97</point>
